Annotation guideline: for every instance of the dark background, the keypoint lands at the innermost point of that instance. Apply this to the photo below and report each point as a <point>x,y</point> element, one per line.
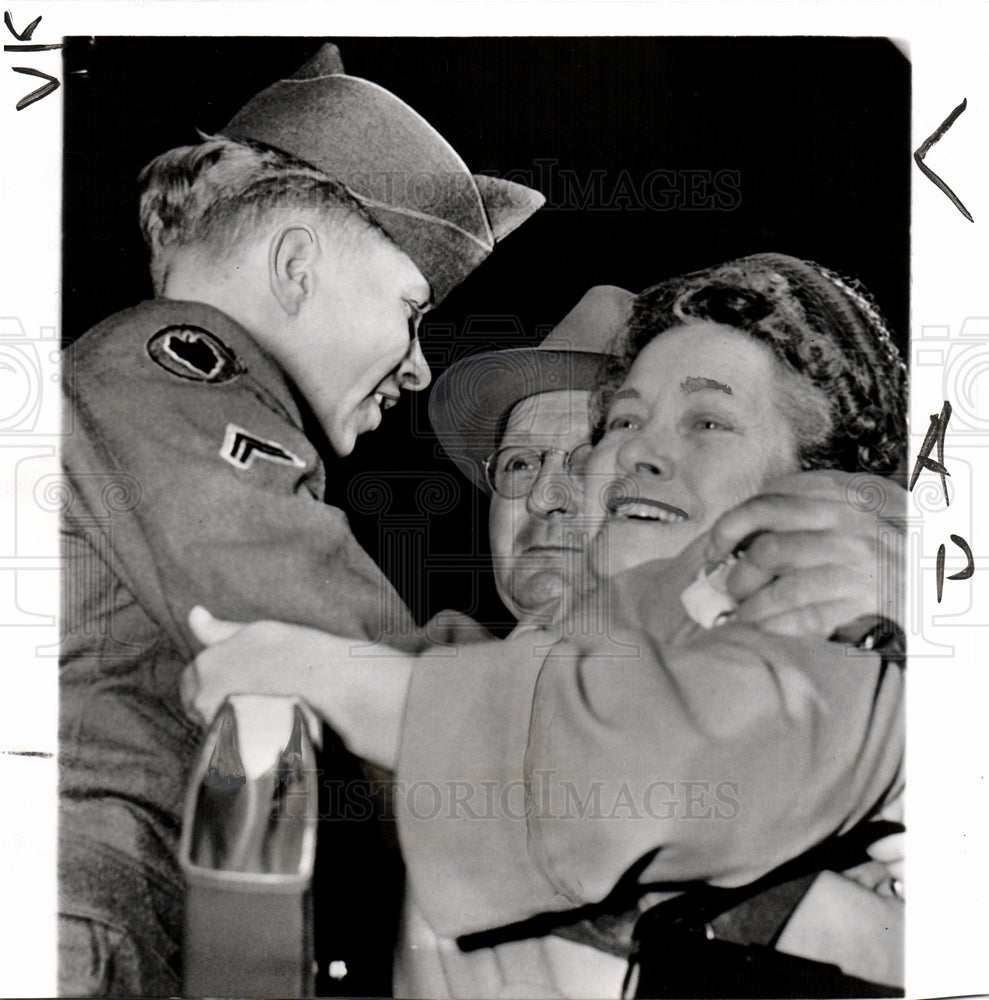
<point>815,131</point>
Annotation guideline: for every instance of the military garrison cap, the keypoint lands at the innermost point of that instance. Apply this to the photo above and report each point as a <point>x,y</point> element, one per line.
<point>406,175</point>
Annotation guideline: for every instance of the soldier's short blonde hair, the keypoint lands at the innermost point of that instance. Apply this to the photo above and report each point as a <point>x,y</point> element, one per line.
<point>214,195</point>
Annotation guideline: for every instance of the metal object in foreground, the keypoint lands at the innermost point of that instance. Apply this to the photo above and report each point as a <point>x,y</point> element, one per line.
<point>247,852</point>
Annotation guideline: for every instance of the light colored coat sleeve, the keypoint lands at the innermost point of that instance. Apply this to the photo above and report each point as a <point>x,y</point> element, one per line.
<point>535,775</point>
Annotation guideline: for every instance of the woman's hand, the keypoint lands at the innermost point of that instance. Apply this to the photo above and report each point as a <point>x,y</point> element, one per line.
<point>827,550</point>
<point>841,922</point>
<point>890,852</point>
<point>358,687</point>
<point>263,657</point>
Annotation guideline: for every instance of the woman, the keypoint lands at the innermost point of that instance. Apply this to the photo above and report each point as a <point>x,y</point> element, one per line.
<point>826,390</point>
<point>636,751</point>
<point>728,379</point>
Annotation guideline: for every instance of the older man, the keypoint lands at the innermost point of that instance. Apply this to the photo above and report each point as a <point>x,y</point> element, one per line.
<point>293,256</point>
<point>517,423</point>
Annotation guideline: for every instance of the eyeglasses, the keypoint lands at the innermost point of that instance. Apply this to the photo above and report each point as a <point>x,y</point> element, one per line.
<point>512,472</point>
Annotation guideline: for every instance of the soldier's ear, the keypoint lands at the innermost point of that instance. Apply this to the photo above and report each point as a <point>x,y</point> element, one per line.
<point>291,257</point>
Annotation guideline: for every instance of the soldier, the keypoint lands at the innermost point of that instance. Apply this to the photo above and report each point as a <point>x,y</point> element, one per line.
<point>293,256</point>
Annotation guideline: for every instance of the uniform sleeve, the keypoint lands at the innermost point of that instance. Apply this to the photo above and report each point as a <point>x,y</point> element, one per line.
<point>212,494</point>
<point>716,758</point>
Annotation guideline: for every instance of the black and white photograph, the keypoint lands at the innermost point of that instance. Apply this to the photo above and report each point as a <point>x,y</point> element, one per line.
<point>582,673</point>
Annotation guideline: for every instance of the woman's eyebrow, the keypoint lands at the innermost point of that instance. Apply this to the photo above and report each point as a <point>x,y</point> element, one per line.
<point>626,394</point>
<point>697,382</point>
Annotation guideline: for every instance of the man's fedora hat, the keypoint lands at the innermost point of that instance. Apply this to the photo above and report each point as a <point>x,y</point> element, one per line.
<point>472,399</point>
<point>406,175</point>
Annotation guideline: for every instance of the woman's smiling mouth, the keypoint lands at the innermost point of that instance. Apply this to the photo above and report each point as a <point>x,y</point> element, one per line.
<point>643,509</point>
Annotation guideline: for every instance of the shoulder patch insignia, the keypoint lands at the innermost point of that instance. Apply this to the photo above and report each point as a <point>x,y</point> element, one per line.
<point>241,448</point>
<point>193,353</point>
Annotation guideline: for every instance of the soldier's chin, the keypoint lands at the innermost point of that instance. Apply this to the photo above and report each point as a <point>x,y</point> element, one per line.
<point>342,438</point>
<point>362,420</point>
<point>369,415</point>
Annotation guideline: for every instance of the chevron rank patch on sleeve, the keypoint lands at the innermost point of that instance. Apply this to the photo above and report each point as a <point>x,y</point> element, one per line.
<point>241,448</point>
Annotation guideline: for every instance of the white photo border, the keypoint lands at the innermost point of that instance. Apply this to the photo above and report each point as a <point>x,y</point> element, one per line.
<point>948,46</point>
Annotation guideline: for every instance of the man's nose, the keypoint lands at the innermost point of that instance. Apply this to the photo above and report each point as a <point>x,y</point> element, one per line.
<point>555,490</point>
<point>413,373</point>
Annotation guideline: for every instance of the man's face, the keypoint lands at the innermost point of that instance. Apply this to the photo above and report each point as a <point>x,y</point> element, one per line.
<point>537,539</point>
<point>354,344</point>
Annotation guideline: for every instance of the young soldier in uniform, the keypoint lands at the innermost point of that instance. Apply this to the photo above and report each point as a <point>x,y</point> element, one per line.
<point>293,256</point>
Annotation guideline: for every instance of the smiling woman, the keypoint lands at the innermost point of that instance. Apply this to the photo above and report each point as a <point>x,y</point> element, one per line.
<point>729,378</point>
<point>681,449</point>
<point>824,332</point>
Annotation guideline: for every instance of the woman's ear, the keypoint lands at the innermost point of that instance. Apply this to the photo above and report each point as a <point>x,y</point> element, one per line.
<point>291,257</point>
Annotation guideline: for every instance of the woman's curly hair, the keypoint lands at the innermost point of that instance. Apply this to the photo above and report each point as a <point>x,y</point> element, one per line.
<point>822,328</point>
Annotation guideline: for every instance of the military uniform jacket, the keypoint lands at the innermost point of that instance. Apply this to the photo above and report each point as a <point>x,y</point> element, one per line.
<point>190,480</point>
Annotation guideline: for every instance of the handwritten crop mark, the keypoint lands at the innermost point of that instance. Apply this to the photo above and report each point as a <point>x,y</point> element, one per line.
<point>926,170</point>
<point>36,95</point>
<point>25,35</point>
<point>962,574</point>
<point>935,435</point>
<point>31,48</point>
